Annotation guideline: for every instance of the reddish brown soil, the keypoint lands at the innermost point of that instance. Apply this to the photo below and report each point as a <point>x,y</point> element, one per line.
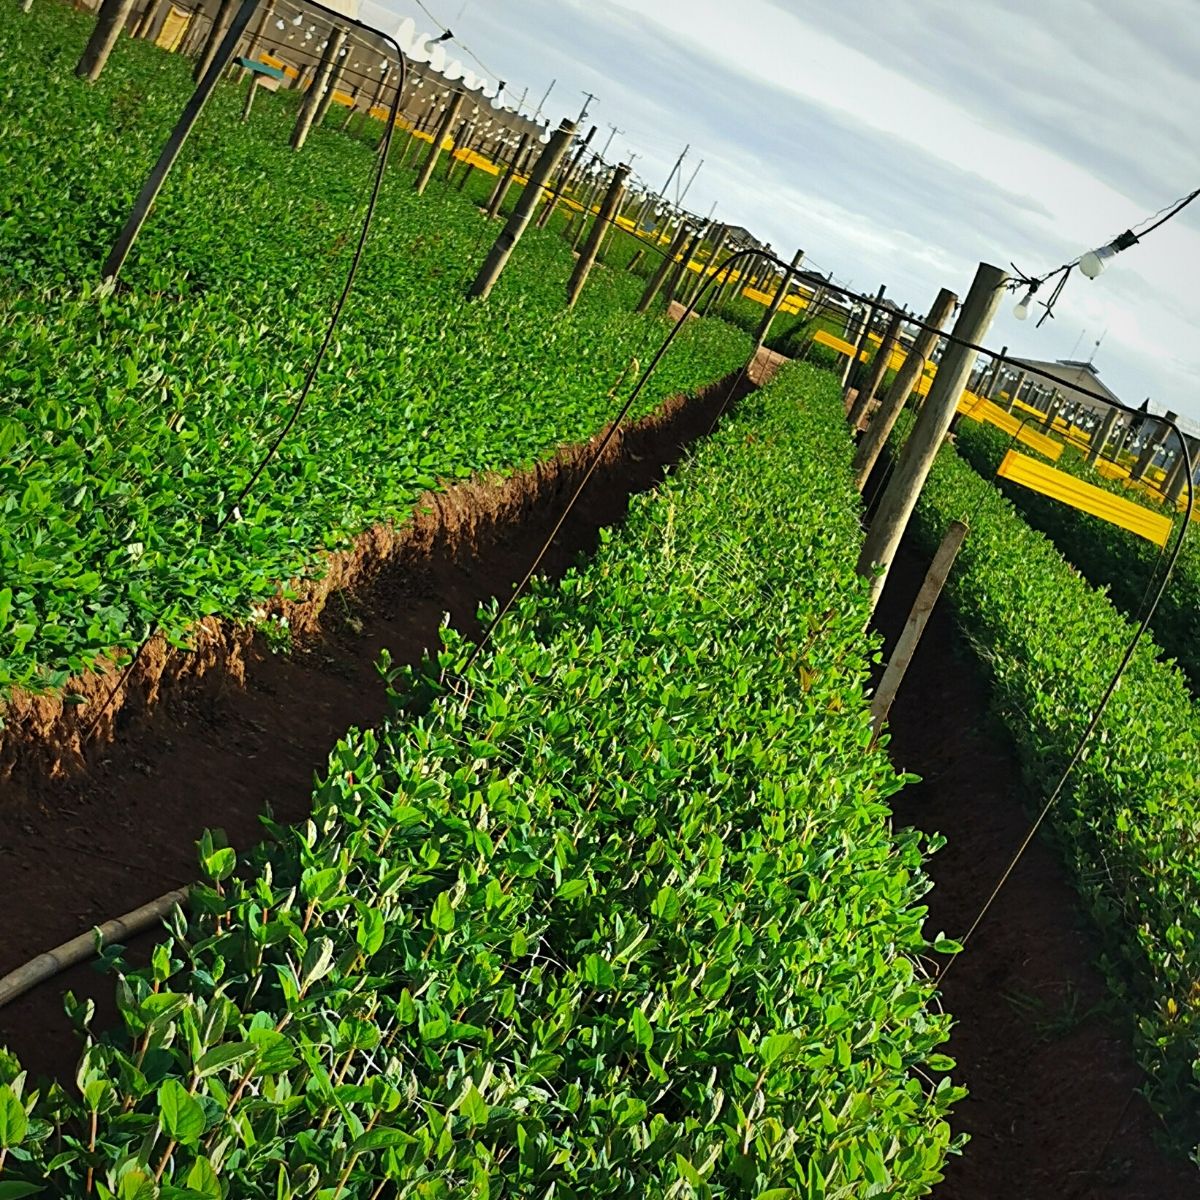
<point>1053,1113</point>
<point>78,851</point>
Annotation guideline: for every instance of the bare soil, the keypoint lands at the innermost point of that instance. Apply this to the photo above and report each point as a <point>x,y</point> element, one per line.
<point>218,746</point>
<point>1053,1111</point>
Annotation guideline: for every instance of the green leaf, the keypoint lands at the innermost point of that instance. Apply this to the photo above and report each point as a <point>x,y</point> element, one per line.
<point>223,1056</point>
<point>318,962</point>
<point>640,1027</point>
<point>13,1189</point>
<point>441,915</point>
<point>779,1045</point>
<point>371,930</point>
<point>180,1114</point>
<point>597,972</point>
<point>381,1139</point>
<point>14,1124</point>
<point>473,1106</point>
<point>202,1178</point>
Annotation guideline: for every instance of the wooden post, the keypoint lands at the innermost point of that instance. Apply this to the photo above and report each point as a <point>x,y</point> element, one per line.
<point>351,111</point>
<point>998,366</point>
<point>588,200</point>
<point>333,82</point>
<point>1100,438</point>
<point>879,366</point>
<point>109,23</point>
<point>910,637</point>
<point>149,17</point>
<point>215,34</point>
<point>517,223</point>
<point>504,182</point>
<point>460,140</point>
<point>712,281</point>
<point>681,269</point>
<point>316,91</point>
<point>251,88</point>
<point>439,136</point>
<point>861,340</point>
<point>1052,407</point>
<point>777,300</point>
<point>260,30</point>
<point>608,208</point>
<point>170,152</point>
<point>564,178</point>
<point>636,260</point>
<point>1015,394</point>
<point>1150,450</point>
<point>1176,480</point>
<point>880,428</point>
<point>916,459</point>
<point>660,272</point>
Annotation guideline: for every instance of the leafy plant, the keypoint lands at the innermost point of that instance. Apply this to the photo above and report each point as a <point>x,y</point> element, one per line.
<point>615,911</point>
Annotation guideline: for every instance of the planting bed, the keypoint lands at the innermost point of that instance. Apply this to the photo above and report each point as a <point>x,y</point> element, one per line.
<point>130,422</point>
<point>613,908</point>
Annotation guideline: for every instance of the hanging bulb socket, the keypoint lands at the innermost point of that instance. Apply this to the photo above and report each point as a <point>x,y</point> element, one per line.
<point>1094,261</point>
<point>1021,312</point>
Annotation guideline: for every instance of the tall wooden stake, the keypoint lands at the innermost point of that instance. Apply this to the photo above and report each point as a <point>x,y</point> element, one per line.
<point>591,247</point>
<point>504,182</point>
<point>316,92</point>
<point>879,366</point>
<point>517,223</point>
<point>861,340</point>
<point>781,294</point>
<point>929,431</point>
<point>910,636</point>
<point>215,34</point>
<point>170,152</point>
<point>440,135</point>
<point>660,272</point>
<point>109,23</point>
<point>897,396</point>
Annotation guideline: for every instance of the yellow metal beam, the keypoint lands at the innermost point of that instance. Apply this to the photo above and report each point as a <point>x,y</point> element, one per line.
<point>1058,485</point>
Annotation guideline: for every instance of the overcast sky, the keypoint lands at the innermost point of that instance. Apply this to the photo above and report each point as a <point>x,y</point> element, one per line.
<point>903,142</point>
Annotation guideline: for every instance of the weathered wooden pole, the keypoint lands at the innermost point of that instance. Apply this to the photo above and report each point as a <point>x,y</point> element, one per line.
<point>517,223</point>
<point>998,365</point>
<point>215,34</point>
<point>879,366</point>
<point>312,98</point>
<point>331,86</point>
<point>695,288</point>
<point>559,190</point>
<point>1053,405</point>
<point>1015,391</point>
<point>636,260</point>
<point>260,30</point>
<point>149,17</point>
<point>251,88</point>
<point>608,209</point>
<point>504,182</point>
<point>109,23</point>
<point>440,135</point>
<point>861,340</point>
<point>929,431</point>
<point>460,140</point>
<point>1153,445</point>
<point>880,428</point>
<point>174,144</point>
<point>1176,480</point>
<point>660,272</point>
<point>678,280</point>
<point>781,294</point>
<point>1100,438</point>
<point>918,618</point>
<point>588,200</point>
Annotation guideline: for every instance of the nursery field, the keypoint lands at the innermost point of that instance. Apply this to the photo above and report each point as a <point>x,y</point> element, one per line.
<point>130,420</point>
<point>536,917</point>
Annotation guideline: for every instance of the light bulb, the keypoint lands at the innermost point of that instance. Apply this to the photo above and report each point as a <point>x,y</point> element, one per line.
<point>1093,262</point>
<point>279,24</point>
<point>298,19</point>
<point>1022,309</point>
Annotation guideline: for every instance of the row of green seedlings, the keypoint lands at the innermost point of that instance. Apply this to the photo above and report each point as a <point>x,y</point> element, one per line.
<point>1127,821</point>
<point>616,911</point>
<point>1108,556</point>
<point>131,420</point>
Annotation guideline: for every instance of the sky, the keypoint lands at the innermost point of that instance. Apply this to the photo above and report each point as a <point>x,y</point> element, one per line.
<point>904,142</point>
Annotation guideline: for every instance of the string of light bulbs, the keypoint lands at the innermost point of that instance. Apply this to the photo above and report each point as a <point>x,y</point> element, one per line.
<point>1091,263</point>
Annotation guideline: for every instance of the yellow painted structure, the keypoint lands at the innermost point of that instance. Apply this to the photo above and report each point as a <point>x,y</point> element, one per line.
<point>174,26</point>
<point>1058,485</point>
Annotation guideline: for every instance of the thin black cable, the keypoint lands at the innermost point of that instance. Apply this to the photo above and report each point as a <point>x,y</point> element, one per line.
<point>297,408</point>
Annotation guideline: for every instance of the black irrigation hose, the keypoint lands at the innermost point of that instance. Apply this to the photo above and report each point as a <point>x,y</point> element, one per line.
<point>310,378</point>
